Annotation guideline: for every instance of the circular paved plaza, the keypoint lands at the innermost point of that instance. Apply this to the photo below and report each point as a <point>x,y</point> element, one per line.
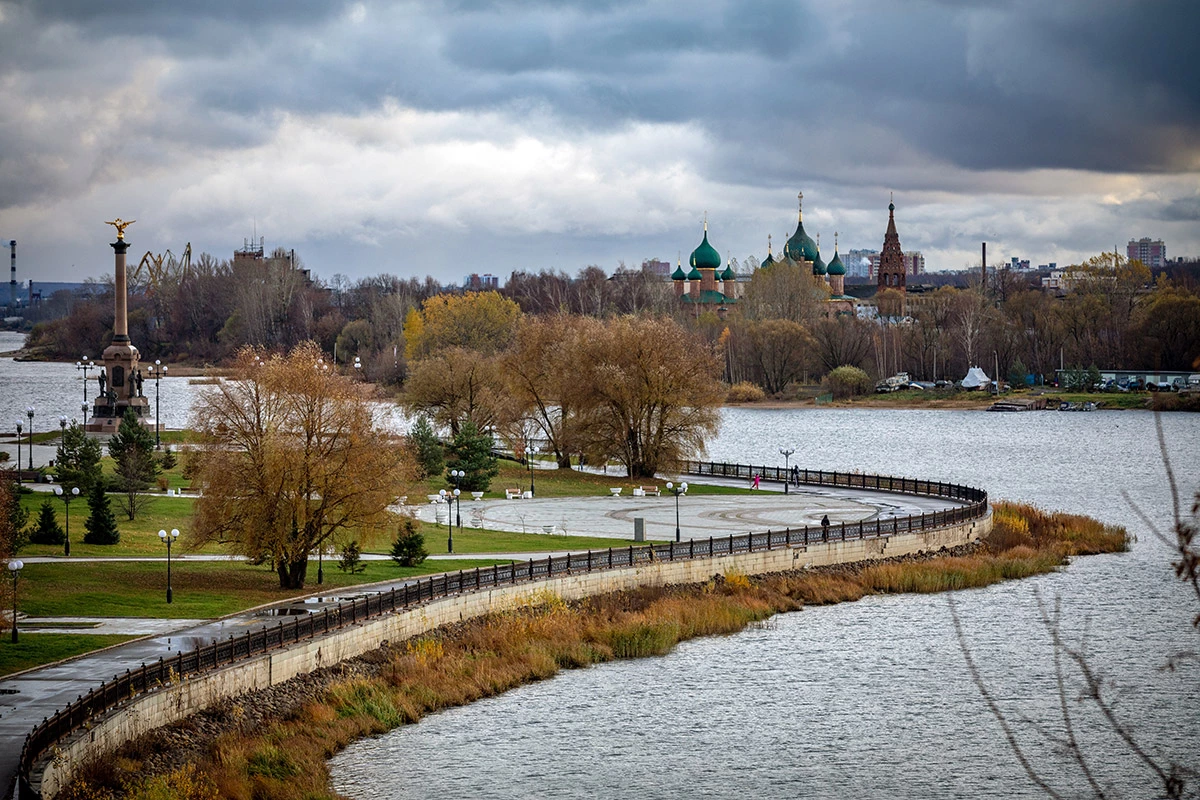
<point>700,516</point>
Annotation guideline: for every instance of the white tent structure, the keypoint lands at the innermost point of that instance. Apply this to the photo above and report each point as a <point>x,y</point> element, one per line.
<point>976,379</point>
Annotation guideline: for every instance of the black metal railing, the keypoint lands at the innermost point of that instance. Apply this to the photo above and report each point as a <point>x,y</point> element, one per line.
<point>253,643</point>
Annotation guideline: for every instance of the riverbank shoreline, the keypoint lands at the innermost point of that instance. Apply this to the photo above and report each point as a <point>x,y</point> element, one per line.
<point>274,743</point>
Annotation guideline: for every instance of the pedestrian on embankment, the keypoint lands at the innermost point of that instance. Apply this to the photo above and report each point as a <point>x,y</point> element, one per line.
<point>825,528</point>
<point>755,486</point>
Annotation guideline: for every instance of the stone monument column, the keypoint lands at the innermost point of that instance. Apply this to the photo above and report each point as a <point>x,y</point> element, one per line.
<point>120,299</point>
<point>119,378</point>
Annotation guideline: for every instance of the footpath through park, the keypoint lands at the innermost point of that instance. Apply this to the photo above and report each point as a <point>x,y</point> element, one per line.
<point>28,697</point>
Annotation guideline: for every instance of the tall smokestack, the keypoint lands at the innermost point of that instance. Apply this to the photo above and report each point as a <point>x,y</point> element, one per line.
<point>983,283</point>
<point>12,282</point>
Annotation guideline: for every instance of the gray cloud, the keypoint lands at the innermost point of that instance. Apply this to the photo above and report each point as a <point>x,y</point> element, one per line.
<point>934,99</point>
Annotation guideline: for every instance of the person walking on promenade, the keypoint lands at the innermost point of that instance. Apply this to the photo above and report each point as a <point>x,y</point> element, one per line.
<point>796,477</point>
<point>755,486</point>
<point>825,528</point>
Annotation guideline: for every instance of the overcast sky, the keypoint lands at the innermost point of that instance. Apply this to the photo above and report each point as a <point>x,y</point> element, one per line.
<point>448,138</point>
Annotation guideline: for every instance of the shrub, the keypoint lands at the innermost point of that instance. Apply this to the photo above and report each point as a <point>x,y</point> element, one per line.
<point>409,548</point>
<point>350,559</point>
<point>744,392</point>
<point>168,460</point>
<point>846,381</point>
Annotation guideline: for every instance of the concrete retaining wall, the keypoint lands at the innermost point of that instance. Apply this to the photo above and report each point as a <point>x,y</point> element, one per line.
<point>193,694</point>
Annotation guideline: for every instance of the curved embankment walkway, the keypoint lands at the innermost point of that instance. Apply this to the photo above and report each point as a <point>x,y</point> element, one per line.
<point>172,689</point>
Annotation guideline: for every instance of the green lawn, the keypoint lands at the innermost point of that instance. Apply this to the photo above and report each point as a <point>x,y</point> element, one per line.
<point>35,649</point>
<point>202,589</point>
<point>138,537</point>
<point>471,540</point>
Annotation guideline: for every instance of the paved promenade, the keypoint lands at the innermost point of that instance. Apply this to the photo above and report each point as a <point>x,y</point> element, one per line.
<point>27,698</point>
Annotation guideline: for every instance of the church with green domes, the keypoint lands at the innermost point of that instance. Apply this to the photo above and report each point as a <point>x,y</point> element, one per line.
<point>707,284</point>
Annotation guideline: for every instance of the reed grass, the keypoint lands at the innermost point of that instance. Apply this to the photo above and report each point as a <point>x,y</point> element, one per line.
<point>285,759</point>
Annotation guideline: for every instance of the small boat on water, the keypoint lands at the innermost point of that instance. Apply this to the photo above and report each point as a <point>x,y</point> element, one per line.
<point>1088,406</point>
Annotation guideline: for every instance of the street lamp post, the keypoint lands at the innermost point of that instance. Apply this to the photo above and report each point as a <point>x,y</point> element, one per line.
<point>448,498</point>
<point>530,449</point>
<point>458,475</point>
<point>67,497</point>
<point>677,490</point>
<point>787,478</point>
<point>357,367</point>
<point>14,567</point>
<point>29,413</point>
<point>169,539</point>
<point>85,364</point>
<point>19,429</point>
<point>158,372</point>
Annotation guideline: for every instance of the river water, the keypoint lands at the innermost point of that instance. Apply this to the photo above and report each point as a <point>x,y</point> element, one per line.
<point>869,699</point>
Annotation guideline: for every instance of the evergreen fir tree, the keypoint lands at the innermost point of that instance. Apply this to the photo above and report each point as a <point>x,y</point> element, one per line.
<point>77,462</point>
<point>471,451</point>
<point>101,524</point>
<point>132,451</point>
<point>409,548</point>
<point>431,458</point>
<point>47,530</point>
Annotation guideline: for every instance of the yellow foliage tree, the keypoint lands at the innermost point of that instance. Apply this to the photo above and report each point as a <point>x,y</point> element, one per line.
<point>482,321</point>
<point>291,458</point>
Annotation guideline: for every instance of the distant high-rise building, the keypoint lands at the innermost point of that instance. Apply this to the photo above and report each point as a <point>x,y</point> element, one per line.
<point>1019,264</point>
<point>859,263</point>
<point>914,262</point>
<point>1152,253</point>
<point>481,283</point>
<point>656,267</point>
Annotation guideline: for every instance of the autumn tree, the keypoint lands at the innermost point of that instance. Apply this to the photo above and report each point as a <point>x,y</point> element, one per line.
<point>784,290</point>
<point>780,349</point>
<point>484,322</point>
<point>457,385</point>
<point>290,460</point>
<point>538,370</point>
<point>646,393</point>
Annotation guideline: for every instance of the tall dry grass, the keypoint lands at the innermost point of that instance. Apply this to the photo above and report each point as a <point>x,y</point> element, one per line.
<point>286,759</point>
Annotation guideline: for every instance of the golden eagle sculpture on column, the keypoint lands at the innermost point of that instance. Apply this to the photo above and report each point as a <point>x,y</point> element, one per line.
<point>120,225</point>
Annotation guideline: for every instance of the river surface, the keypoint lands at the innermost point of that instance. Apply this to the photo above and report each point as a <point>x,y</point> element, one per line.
<point>869,699</point>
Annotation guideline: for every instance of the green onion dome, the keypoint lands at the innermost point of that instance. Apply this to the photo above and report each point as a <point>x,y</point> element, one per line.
<point>836,267</point>
<point>694,275</point>
<point>768,261</point>
<point>678,274</point>
<point>801,246</point>
<point>728,275</point>
<point>819,267</point>
<point>705,256</point>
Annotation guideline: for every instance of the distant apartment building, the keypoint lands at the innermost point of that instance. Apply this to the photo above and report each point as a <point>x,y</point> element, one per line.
<point>1053,265</point>
<point>1152,253</point>
<point>481,283</point>
<point>858,263</point>
<point>914,263</point>
<point>656,267</point>
<point>1018,264</point>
